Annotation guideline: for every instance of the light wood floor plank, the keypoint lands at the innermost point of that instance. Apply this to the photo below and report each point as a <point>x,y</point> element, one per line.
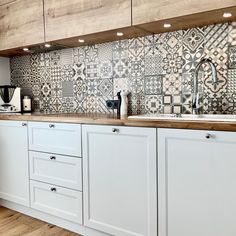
<point>13,223</point>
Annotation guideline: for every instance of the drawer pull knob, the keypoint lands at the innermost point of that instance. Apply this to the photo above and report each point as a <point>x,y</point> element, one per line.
<point>24,124</point>
<point>52,158</point>
<point>114,130</point>
<point>53,189</point>
<point>51,126</point>
<point>208,136</point>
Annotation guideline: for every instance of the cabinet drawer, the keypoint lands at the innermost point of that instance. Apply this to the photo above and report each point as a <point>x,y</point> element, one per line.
<point>58,201</point>
<point>55,138</point>
<point>56,169</point>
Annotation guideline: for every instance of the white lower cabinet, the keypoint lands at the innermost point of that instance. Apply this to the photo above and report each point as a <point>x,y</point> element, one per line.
<point>56,169</point>
<point>58,201</point>
<point>120,187</point>
<point>14,171</point>
<point>197,183</point>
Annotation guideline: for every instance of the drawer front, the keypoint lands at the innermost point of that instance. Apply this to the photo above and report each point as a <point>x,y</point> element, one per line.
<point>58,138</point>
<point>57,201</point>
<point>56,169</point>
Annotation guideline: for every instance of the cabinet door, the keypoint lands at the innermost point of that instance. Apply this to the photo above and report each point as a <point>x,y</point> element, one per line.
<point>65,19</point>
<point>197,179</point>
<point>145,11</point>
<point>21,23</point>
<point>57,138</point>
<point>14,172</point>
<point>120,180</point>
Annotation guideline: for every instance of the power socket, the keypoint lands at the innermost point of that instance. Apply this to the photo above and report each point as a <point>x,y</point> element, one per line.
<point>112,104</point>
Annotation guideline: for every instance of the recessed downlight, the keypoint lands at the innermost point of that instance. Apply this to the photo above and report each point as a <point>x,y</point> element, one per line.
<point>81,40</point>
<point>120,34</point>
<point>227,14</point>
<point>25,49</point>
<point>47,45</point>
<point>167,25</point>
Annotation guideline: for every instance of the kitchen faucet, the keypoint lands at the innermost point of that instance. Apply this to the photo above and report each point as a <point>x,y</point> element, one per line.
<point>195,104</point>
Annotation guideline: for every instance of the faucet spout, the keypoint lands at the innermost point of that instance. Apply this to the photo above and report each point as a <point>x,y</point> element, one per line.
<point>195,104</point>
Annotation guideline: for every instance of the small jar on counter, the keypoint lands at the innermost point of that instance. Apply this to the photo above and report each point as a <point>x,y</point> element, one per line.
<point>26,104</point>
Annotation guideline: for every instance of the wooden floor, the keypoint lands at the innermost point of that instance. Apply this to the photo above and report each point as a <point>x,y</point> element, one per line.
<point>16,224</point>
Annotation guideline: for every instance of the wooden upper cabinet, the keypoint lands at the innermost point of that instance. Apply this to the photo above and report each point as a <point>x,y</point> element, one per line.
<point>66,19</point>
<point>21,23</point>
<point>145,11</point>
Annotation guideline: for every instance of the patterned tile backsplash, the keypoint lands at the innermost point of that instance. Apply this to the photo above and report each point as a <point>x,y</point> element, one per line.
<point>158,71</point>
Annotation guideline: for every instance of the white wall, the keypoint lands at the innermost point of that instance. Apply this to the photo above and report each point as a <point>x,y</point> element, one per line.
<point>4,71</point>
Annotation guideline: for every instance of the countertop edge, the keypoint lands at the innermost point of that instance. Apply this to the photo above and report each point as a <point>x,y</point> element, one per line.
<point>98,120</point>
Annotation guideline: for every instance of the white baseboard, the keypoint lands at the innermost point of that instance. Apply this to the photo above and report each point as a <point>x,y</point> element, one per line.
<point>77,228</point>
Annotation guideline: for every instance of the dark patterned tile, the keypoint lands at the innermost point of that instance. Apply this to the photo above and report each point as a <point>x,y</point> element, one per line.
<point>91,53</point>
<point>216,36</point>
<point>231,82</point>
<point>136,85</point>
<point>154,104</point>
<point>232,34</point>
<point>78,55</point>
<point>120,68</point>
<point>172,84</point>
<point>120,84</point>
<point>136,67</point>
<point>136,47</point>
<point>153,65</point>
<point>105,51</point>
<point>232,57</point>
<point>105,69</point>
<point>172,63</point>
<point>92,70</point>
<point>120,49</point>
<point>153,85</point>
<point>106,88</point>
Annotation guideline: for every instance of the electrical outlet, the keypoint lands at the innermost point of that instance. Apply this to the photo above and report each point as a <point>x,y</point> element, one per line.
<point>112,104</point>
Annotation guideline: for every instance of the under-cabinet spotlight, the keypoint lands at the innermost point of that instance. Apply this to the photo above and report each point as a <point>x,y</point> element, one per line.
<point>227,14</point>
<point>25,49</point>
<point>47,45</point>
<point>167,25</point>
<point>81,40</point>
<point>119,34</point>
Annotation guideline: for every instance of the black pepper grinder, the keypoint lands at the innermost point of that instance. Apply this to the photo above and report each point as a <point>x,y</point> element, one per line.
<point>118,105</point>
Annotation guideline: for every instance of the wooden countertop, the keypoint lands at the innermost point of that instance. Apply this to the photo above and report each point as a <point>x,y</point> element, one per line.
<point>102,119</point>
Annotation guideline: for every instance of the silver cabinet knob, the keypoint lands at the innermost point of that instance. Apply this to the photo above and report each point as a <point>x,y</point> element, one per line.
<point>51,126</point>
<point>24,124</point>
<point>52,158</point>
<point>114,130</point>
<point>53,189</point>
<point>208,136</point>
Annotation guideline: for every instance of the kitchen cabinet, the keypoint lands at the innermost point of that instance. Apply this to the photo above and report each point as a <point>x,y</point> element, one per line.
<point>146,11</point>
<point>60,138</point>
<point>14,171</point>
<point>66,19</point>
<point>196,179</point>
<point>21,23</point>
<point>120,185</point>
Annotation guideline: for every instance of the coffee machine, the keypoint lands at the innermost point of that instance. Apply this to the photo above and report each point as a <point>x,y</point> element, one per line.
<point>10,99</point>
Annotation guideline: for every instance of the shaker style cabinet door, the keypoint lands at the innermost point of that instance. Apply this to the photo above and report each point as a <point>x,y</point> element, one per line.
<point>197,183</point>
<point>145,11</point>
<point>120,184</point>
<point>66,19</point>
<point>14,170</point>
<point>21,23</point>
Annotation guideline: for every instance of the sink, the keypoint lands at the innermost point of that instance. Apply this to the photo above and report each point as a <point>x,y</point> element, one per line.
<point>206,117</point>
